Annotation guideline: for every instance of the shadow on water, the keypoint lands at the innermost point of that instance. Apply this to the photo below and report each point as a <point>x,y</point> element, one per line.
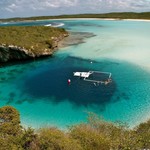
<point>52,85</point>
<point>23,62</point>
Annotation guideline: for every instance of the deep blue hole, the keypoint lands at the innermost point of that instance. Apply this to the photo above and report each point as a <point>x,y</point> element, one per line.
<point>53,83</point>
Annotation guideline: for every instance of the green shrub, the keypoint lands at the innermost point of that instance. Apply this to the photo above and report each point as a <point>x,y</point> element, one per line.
<point>33,38</point>
<point>89,138</point>
<point>54,139</point>
<point>143,133</point>
<point>9,121</point>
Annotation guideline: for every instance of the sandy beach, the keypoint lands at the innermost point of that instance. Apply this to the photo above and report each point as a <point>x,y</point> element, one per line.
<point>146,20</point>
<point>109,19</point>
<point>137,20</point>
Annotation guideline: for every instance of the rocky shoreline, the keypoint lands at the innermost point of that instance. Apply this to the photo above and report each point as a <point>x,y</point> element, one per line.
<point>27,43</point>
<point>11,52</point>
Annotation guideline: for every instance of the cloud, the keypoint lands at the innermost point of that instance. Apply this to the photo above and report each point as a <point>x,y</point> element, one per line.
<point>36,4</point>
<point>11,7</point>
<point>119,5</point>
<point>49,4</point>
<point>56,7</point>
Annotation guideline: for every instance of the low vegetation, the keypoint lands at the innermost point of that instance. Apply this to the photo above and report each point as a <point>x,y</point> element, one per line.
<point>117,15</point>
<point>33,38</point>
<point>97,134</point>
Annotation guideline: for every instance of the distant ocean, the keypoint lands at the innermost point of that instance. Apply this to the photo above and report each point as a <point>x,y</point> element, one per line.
<point>39,89</point>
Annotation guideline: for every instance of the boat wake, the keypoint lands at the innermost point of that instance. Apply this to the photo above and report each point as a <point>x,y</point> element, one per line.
<point>55,24</point>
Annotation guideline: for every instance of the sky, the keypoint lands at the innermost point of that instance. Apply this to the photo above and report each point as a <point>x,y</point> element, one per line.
<point>27,8</point>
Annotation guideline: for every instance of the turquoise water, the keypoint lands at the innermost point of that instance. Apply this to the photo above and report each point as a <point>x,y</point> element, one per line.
<point>39,89</point>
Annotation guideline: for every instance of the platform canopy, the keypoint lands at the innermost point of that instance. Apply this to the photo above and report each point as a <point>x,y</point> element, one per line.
<point>82,74</point>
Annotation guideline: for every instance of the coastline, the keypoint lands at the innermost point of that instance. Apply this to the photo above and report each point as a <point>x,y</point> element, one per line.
<point>145,20</point>
<point>39,42</point>
<point>109,19</point>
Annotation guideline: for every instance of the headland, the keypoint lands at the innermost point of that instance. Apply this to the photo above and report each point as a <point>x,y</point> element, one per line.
<point>28,42</point>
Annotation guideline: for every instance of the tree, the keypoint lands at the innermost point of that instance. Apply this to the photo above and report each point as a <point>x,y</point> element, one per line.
<point>9,121</point>
<point>28,139</point>
<point>143,133</point>
<point>54,139</point>
<point>89,138</point>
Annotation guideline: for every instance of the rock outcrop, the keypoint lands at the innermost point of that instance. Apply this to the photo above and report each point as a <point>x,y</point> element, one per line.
<point>14,52</point>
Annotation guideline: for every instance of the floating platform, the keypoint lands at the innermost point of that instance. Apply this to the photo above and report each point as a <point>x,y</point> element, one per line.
<point>95,76</point>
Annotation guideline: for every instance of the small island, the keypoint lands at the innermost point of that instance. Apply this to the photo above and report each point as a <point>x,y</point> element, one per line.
<point>27,42</point>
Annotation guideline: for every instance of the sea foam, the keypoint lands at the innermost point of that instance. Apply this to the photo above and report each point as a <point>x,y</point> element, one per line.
<point>55,24</point>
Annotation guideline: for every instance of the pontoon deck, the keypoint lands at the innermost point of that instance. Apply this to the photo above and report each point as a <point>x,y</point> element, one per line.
<point>94,76</point>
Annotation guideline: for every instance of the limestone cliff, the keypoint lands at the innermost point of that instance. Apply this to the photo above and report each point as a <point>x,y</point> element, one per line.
<point>29,42</point>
